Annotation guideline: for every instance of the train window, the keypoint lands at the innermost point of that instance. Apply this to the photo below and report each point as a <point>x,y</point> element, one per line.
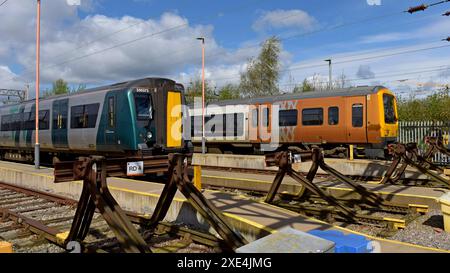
<point>265,117</point>
<point>255,118</point>
<point>111,112</point>
<point>143,103</point>
<point>389,110</point>
<point>196,126</point>
<point>239,124</point>
<point>6,121</point>
<point>234,124</point>
<point>214,125</point>
<point>44,119</point>
<point>357,115</point>
<point>312,116</point>
<point>288,117</point>
<point>25,121</point>
<point>84,116</point>
<point>333,115</point>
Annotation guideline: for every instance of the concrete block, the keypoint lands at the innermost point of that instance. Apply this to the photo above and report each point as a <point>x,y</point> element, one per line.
<point>289,240</point>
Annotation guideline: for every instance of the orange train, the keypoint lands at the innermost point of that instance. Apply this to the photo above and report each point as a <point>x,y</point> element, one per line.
<point>363,116</point>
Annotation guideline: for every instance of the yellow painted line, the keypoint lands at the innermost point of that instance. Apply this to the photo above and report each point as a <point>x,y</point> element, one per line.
<point>331,187</point>
<point>250,222</point>
<point>6,247</point>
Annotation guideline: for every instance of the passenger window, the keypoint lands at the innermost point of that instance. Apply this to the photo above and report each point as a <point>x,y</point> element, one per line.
<point>196,126</point>
<point>288,117</point>
<point>333,115</point>
<point>44,119</point>
<point>84,116</point>
<point>357,115</point>
<point>111,112</point>
<point>255,118</point>
<point>312,116</point>
<point>265,116</point>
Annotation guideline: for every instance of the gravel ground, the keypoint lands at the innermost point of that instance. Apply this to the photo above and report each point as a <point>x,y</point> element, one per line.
<point>427,230</point>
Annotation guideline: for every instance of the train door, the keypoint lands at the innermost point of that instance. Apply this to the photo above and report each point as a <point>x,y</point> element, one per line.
<point>253,123</point>
<point>356,119</point>
<point>60,123</point>
<point>110,130</point>
<point>264,123</point>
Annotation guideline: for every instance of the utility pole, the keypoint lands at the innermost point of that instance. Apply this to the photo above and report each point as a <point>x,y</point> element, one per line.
<point>38,35</point>
<point>203,95</point>
<point>330,84</point>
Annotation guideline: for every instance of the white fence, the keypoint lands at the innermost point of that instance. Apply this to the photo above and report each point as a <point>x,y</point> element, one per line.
<point>416,131</point>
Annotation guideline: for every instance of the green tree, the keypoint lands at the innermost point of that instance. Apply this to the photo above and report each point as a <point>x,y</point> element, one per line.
<point>305,87</point>
<point>60,87</point>
<point>263,72</point>
<point>435,107</point>
<point>80,87</point>
<point>228,92</point>
<point>194,89</point>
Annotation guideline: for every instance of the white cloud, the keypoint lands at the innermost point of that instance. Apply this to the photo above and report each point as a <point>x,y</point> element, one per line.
<point>172,49</point>
<point>8,79</point>
<point>436,29</point>
<point>279,18</point>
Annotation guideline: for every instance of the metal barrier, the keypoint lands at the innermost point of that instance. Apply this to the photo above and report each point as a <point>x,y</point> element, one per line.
<point>93,171</point>
<point>407,154</point>
<point>416,131</point>
<point>369,200</point>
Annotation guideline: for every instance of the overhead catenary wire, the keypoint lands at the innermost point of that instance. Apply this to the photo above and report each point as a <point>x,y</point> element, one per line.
<point>350,60</point>
<point>3,2</point>
<point>386,75</point>
<point>423,7</point>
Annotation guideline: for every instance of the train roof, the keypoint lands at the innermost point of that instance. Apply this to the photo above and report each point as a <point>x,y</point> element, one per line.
<point>121,85</point>
<point>341,92</point>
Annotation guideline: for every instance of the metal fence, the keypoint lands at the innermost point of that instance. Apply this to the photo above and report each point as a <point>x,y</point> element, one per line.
<point>416,131</point>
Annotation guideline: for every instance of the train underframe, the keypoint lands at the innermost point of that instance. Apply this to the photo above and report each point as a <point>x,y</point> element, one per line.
<point>369,151</point>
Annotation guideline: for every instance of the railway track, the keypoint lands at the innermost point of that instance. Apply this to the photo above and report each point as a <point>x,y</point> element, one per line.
<point>386,216</point>
<point>413,182</point>
<point>387,219</point>
<point>35,221</point>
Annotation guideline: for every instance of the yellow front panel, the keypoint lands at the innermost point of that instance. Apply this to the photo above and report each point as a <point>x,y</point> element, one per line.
<point>174,119</point>
<point>387,130</point>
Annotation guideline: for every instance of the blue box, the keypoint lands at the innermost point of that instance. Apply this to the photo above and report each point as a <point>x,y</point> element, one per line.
<point>350,243</point>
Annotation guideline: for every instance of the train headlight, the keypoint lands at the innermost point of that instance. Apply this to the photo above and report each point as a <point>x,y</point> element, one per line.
<point>149,135</point>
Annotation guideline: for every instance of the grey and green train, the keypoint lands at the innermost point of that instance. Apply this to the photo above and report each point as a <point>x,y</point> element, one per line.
<point>138,117</point>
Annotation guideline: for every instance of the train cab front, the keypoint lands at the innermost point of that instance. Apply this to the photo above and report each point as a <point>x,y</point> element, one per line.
<point>389,117</point>
<point>159,118</point>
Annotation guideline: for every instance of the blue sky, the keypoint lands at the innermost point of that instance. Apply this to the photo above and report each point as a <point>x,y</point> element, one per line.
<point>78,42</point>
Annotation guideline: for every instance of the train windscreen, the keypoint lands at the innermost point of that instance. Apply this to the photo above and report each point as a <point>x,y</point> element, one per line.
<point>389,109</point>
<point>143,104</point>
